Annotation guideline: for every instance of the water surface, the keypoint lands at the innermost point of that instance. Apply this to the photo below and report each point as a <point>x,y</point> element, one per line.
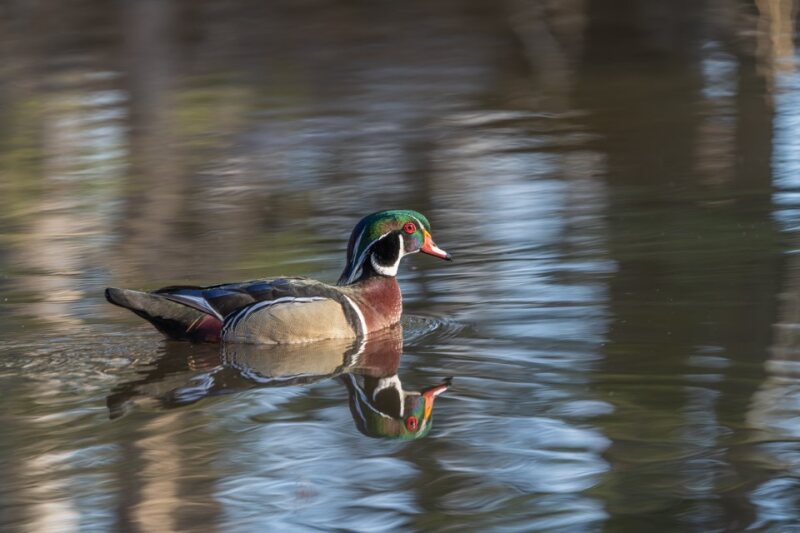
<point>618,182</point>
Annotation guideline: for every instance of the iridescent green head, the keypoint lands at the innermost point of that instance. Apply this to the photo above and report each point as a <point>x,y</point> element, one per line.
<point>380,240</point>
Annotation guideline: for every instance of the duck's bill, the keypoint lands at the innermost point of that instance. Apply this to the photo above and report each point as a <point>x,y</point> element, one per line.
<point>430,394</point>
<point>436,390</point>
<point>429,247</point>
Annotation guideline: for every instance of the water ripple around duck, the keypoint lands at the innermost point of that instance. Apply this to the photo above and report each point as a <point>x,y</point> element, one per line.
<point>418,328</point>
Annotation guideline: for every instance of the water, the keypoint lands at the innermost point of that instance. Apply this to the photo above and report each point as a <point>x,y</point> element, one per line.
<point>617,181</point>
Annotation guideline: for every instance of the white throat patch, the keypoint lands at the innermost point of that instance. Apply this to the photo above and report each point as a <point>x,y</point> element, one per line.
<point>390,270</point>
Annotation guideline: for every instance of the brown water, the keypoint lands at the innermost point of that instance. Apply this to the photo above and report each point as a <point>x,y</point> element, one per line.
<point>619,183</point>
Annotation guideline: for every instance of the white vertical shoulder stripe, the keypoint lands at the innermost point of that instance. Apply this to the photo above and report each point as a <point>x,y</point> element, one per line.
<point>361,318</point>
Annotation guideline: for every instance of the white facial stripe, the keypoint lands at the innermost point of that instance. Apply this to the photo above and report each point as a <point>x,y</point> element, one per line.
<point>357,265</point>
<point>360,393</point>
<point>419,224</point>
<point>354,265</point>
<point>355,245</point>
<point>365,401</point>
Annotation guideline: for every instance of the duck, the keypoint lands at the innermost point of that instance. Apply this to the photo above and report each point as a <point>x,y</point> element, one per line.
<point>289,310</point>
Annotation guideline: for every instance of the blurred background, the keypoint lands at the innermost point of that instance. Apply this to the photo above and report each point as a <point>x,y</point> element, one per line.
<point>618,181</point>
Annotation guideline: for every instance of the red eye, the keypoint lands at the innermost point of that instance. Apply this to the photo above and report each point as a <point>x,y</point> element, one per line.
<point>409,227</point>
<point>411,421</point>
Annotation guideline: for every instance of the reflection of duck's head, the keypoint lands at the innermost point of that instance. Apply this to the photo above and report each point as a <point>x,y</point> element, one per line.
<point>381,408</point>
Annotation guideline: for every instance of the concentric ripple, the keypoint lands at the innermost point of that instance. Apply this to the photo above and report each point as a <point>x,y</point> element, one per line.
<point>418,329</point>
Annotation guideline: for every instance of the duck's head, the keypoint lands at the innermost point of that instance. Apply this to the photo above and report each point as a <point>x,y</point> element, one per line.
<point>380,240</point>
<point>382,409</point>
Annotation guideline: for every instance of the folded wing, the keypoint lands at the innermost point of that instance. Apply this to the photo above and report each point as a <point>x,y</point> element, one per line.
<point>259,311</point>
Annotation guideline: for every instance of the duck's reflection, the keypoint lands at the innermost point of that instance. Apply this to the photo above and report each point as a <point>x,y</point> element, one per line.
<point>380,406</point>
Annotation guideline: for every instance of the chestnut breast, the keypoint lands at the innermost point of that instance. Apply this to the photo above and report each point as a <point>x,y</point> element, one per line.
<point>380,301</point>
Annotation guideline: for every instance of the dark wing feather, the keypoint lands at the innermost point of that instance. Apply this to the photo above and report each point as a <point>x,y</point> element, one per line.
<point>174,320</point>
<point>222,300</point>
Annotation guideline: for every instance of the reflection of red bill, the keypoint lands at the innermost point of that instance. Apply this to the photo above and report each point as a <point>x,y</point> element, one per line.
<point>429,247</point>
<point>430,395</point>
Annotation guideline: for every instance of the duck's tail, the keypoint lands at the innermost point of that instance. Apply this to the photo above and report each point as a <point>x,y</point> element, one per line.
<point>172,318</point>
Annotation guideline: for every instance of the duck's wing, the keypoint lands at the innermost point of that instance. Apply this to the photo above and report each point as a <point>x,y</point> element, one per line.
<point>175,319</point>
<point>198,313</point>
<point>225,299</point>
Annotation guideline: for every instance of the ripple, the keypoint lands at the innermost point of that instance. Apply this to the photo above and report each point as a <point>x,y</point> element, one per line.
<point>418,329</point>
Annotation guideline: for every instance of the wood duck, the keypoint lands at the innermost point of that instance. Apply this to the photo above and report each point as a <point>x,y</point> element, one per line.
<point>368,366</point>
<point>366,298</point>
